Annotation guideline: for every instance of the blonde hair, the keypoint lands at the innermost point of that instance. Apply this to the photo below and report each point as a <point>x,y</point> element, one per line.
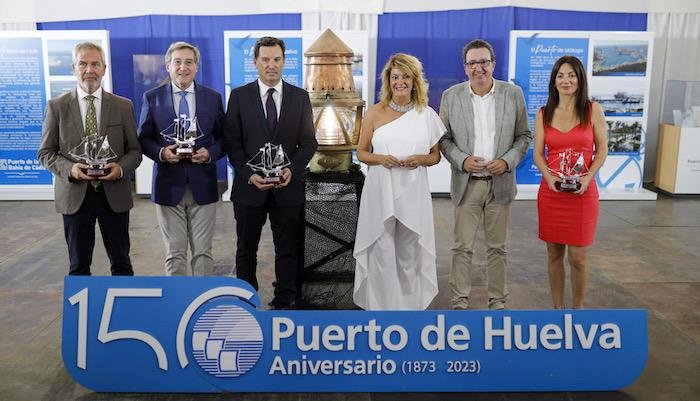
<point>411,66</point>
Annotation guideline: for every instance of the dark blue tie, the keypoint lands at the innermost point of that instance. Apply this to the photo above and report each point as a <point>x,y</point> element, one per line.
<point>184,107</point>
<point>271,110</point>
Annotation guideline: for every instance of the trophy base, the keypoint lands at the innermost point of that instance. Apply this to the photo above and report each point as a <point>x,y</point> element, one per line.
<point>273,179</point>
<point>184,152</point>
<point>96,171</point>
<point>567,186</point>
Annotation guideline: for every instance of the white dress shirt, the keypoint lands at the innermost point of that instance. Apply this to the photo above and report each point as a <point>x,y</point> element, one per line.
<point>277,96</point>
<point>190,99</point>
<point>97,102</point>
<point>484,108</point>
<point>191,105</point>
<point>83,104</point>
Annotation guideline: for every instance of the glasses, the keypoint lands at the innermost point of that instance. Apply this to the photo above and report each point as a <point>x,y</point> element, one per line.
<point>481,63</point>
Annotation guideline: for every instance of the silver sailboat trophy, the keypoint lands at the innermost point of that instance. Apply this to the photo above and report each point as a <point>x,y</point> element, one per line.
<point>94,151</point>
<point>184,132</point>
<point>269,161</point>
<point>571,166</point>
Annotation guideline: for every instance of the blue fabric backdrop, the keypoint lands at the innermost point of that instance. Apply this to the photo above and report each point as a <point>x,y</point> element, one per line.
<point>154,33</point>
<point>437,38</point>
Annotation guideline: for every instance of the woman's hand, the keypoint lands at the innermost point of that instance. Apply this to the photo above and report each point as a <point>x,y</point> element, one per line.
<point>585,180</point>
<point>388,161</point>
<point>551,182</point>
<point>413,161</point>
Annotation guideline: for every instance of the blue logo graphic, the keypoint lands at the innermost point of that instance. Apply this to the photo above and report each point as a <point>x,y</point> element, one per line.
<point>226,341</point>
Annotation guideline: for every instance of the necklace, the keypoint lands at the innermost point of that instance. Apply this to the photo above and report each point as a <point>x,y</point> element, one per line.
<point>401,109</point>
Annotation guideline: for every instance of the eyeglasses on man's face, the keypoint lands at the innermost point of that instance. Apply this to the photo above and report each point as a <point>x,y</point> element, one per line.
<point>481,63</point>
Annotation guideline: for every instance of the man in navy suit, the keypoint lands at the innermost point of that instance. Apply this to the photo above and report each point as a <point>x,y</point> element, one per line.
<point>269,110</point>
<point>184,186</point>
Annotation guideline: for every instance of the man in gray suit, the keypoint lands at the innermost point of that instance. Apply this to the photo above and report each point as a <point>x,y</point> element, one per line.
<point>86,111</point>
<point>487,136</point>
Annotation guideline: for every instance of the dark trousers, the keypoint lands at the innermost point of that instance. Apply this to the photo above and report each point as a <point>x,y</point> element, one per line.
<point>286,224</point>
<point>79,229</point>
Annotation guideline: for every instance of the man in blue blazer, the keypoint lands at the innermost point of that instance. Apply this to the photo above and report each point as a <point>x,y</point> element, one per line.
<point>269,110</point>
<point>184,186</point>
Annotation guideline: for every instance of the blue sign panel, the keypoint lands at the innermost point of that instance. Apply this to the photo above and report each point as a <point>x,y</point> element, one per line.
<point>205,334</point>
<point>22,99</point>
<point>535,57</point>
<point>242,69</point>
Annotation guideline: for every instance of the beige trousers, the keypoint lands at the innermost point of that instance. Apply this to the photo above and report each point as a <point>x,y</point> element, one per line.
<point>479,203</point>
<point>187,224</point>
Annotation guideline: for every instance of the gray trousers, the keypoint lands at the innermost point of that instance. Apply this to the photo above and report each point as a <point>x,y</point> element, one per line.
<point>479,202</point>
<point>187,224</point>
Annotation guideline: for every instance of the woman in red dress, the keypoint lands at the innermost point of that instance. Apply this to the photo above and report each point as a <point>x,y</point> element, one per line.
<point>571,128</point>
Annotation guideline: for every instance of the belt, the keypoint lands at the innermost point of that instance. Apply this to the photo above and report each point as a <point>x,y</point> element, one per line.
<point>481,177</point>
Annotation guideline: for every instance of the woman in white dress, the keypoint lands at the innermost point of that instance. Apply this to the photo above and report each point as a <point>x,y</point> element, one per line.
<point>395,241</point>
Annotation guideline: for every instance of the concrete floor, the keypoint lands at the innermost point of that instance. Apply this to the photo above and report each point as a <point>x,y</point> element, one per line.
<point>646,256</point>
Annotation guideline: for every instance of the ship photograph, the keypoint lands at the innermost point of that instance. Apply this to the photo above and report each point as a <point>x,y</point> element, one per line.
<point>620,59</point>
<point>617,98</point>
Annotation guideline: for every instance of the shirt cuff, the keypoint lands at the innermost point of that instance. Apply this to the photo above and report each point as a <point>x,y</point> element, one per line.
<point>507,166</point>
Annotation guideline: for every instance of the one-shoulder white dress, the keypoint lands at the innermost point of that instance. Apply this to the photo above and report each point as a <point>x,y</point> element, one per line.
<point>395,240</point>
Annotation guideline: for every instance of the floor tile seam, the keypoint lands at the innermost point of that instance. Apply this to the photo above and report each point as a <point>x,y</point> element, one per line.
<point>662,282</point>
<point>666,226</point>
<point>673,323</point>
<point>38,333</point>
<point>603,273</point>
<point>624,283</point>
<point>23,250</point>
<point>623,286</point>
<point>661,275</point>
<point>56,289</point>
<point>621,219</point>
<point>659,314</point>
<point>148,233</point>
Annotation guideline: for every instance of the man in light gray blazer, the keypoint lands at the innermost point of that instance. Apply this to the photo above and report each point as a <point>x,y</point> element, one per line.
<point>487,136</point>
<point>81,198</point>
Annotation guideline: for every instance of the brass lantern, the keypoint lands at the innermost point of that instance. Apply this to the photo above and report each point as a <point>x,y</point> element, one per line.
<point>337,108</point>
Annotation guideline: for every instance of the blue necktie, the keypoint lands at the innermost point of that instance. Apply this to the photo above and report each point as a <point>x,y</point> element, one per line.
<point>184,107</point>
<point>271,110</point>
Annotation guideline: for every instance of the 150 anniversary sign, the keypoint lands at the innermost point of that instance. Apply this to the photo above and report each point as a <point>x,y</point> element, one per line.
<point>204,334</point>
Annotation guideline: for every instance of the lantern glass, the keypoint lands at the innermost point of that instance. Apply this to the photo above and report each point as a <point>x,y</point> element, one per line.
<point>334,125</point>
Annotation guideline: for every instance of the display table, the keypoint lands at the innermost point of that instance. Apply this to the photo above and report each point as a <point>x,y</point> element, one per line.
<point>678,160</point>
<point>331,211</point>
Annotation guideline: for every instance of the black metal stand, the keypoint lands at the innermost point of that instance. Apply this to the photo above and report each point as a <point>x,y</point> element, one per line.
<point>330,222</point>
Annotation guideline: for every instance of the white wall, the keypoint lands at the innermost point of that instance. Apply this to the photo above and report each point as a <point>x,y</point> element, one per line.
<point>14,11</point>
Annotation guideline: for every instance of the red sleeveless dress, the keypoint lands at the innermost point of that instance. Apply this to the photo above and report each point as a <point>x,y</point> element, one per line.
<point>564,217</point>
